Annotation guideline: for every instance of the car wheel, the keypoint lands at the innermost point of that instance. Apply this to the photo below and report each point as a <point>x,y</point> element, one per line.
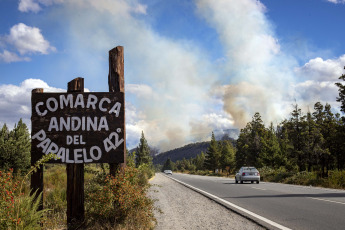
<point>236,181</point>
<point>241,181</point>
<point>252,182</point>
<point>258,182</point>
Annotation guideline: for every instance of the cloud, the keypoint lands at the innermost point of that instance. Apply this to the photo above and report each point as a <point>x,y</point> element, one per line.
<point>15,101</point>
<point>174,92</point>
<point>7,56</point>
<point>321,70</point>
<point>28,5</point>
<point>27,39</point>
<point>336,1</point>
<point>35,5</point>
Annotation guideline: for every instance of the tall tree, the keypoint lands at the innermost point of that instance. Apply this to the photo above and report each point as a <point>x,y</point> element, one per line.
<point>250,146</point>
<point>199,161</point>
<point>143,152</point>
<point>15,147</point>
<point>168,165</point>
<point>227,155</point>
<point>272,155</point>
<point>212,158</point>
<point>341,90</point>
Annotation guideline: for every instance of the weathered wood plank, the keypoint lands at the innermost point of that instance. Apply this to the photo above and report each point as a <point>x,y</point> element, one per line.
<point>36,177</point>
<point>116,82</point>
<point>75,177</point>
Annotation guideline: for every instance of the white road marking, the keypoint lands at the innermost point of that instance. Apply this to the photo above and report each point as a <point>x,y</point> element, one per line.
<point>259,188</point>
<point>235,206</point>
<point>332,201</point>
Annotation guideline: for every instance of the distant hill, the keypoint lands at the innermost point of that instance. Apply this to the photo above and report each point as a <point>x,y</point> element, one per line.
<point>187,151</point>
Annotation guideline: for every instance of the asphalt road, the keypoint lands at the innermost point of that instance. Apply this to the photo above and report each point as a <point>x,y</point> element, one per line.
<point>290,206</point>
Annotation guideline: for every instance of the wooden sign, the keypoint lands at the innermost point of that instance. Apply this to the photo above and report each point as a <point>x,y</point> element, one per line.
<point>78,127</point>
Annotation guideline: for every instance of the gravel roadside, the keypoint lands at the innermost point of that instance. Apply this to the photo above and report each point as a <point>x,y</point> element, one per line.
<point>183,208</point>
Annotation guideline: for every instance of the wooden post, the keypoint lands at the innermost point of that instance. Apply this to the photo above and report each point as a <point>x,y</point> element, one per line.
<point>75,177</point>
<point>116,82</point>
<point>37,177</point>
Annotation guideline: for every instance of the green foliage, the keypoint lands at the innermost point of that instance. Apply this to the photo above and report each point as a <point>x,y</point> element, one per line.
<point>213,154</point>
<point>341,89</point>
<point>143,152</point>
<point>15,148</point>
<point>131,158</point>
<point>227,158</point>
<point>168,165</point>
<point>121,200</point>
<point>18,210</point>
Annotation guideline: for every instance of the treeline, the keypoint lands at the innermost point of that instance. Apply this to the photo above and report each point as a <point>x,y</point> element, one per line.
<point>304,142</point>
<point>220,155</point>
<point>312,142</point>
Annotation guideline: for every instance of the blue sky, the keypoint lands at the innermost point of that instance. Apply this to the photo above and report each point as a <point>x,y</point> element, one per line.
<point>191,67</point>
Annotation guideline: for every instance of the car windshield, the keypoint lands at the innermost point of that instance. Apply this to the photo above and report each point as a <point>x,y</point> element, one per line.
<point>249,169</point>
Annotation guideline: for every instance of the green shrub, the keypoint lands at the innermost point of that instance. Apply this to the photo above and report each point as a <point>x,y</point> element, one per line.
<point>336,179</point>
<point>121,200</point>
<point>18,210</point>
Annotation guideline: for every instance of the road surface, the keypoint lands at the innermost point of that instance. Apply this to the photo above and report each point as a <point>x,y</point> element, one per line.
<point>287,206</point>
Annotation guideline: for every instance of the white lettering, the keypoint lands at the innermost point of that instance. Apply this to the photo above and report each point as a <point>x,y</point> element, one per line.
<point>62,153</point>
<point>108,144</point>
<point>69,139</point>
<point>38,111</point>
<point>103,124</point>
<point>79,101</point>
<point>44,145</point>
<point>101,104</point>
<point>65,101</point>
<point>86,160</point>
<point>91,101</point>
<point>116,109</point>
<point>53,124</point>
<point>93,123</point>
<point>77,156</point>
<point>53,148</point>
<point>76,122</point>
<point>66,124</point>
<point>96,158</point>
<point>81,140</point>
<point>55,104</point>
<point>40,135</point>
<point>67,158</point>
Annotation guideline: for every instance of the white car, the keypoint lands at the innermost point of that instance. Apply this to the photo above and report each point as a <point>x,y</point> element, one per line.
<point>168,172</point>
<point>247,174</point>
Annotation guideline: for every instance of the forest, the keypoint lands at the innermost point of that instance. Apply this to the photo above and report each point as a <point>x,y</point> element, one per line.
<point>307,145</point>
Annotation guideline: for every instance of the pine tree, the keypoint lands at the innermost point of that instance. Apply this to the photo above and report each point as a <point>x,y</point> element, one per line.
<point>199,161</point>
<point>143,152</point>
<point>227,156</point>
<point>212,158</point>
<point>341,90</point>
<point>168,165</point>
<point>15,147</point>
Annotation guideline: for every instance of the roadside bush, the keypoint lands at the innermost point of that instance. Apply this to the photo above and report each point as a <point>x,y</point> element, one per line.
<point>121,201</point>
<point>304,178</point>
<point>275,175</point>
<point>336,179</point>
<point>18,210</point>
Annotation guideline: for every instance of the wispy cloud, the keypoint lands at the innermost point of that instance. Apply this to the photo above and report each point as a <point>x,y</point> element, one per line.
<point>336,1</point>
<point>25,40</point>
<point>175,93</point>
